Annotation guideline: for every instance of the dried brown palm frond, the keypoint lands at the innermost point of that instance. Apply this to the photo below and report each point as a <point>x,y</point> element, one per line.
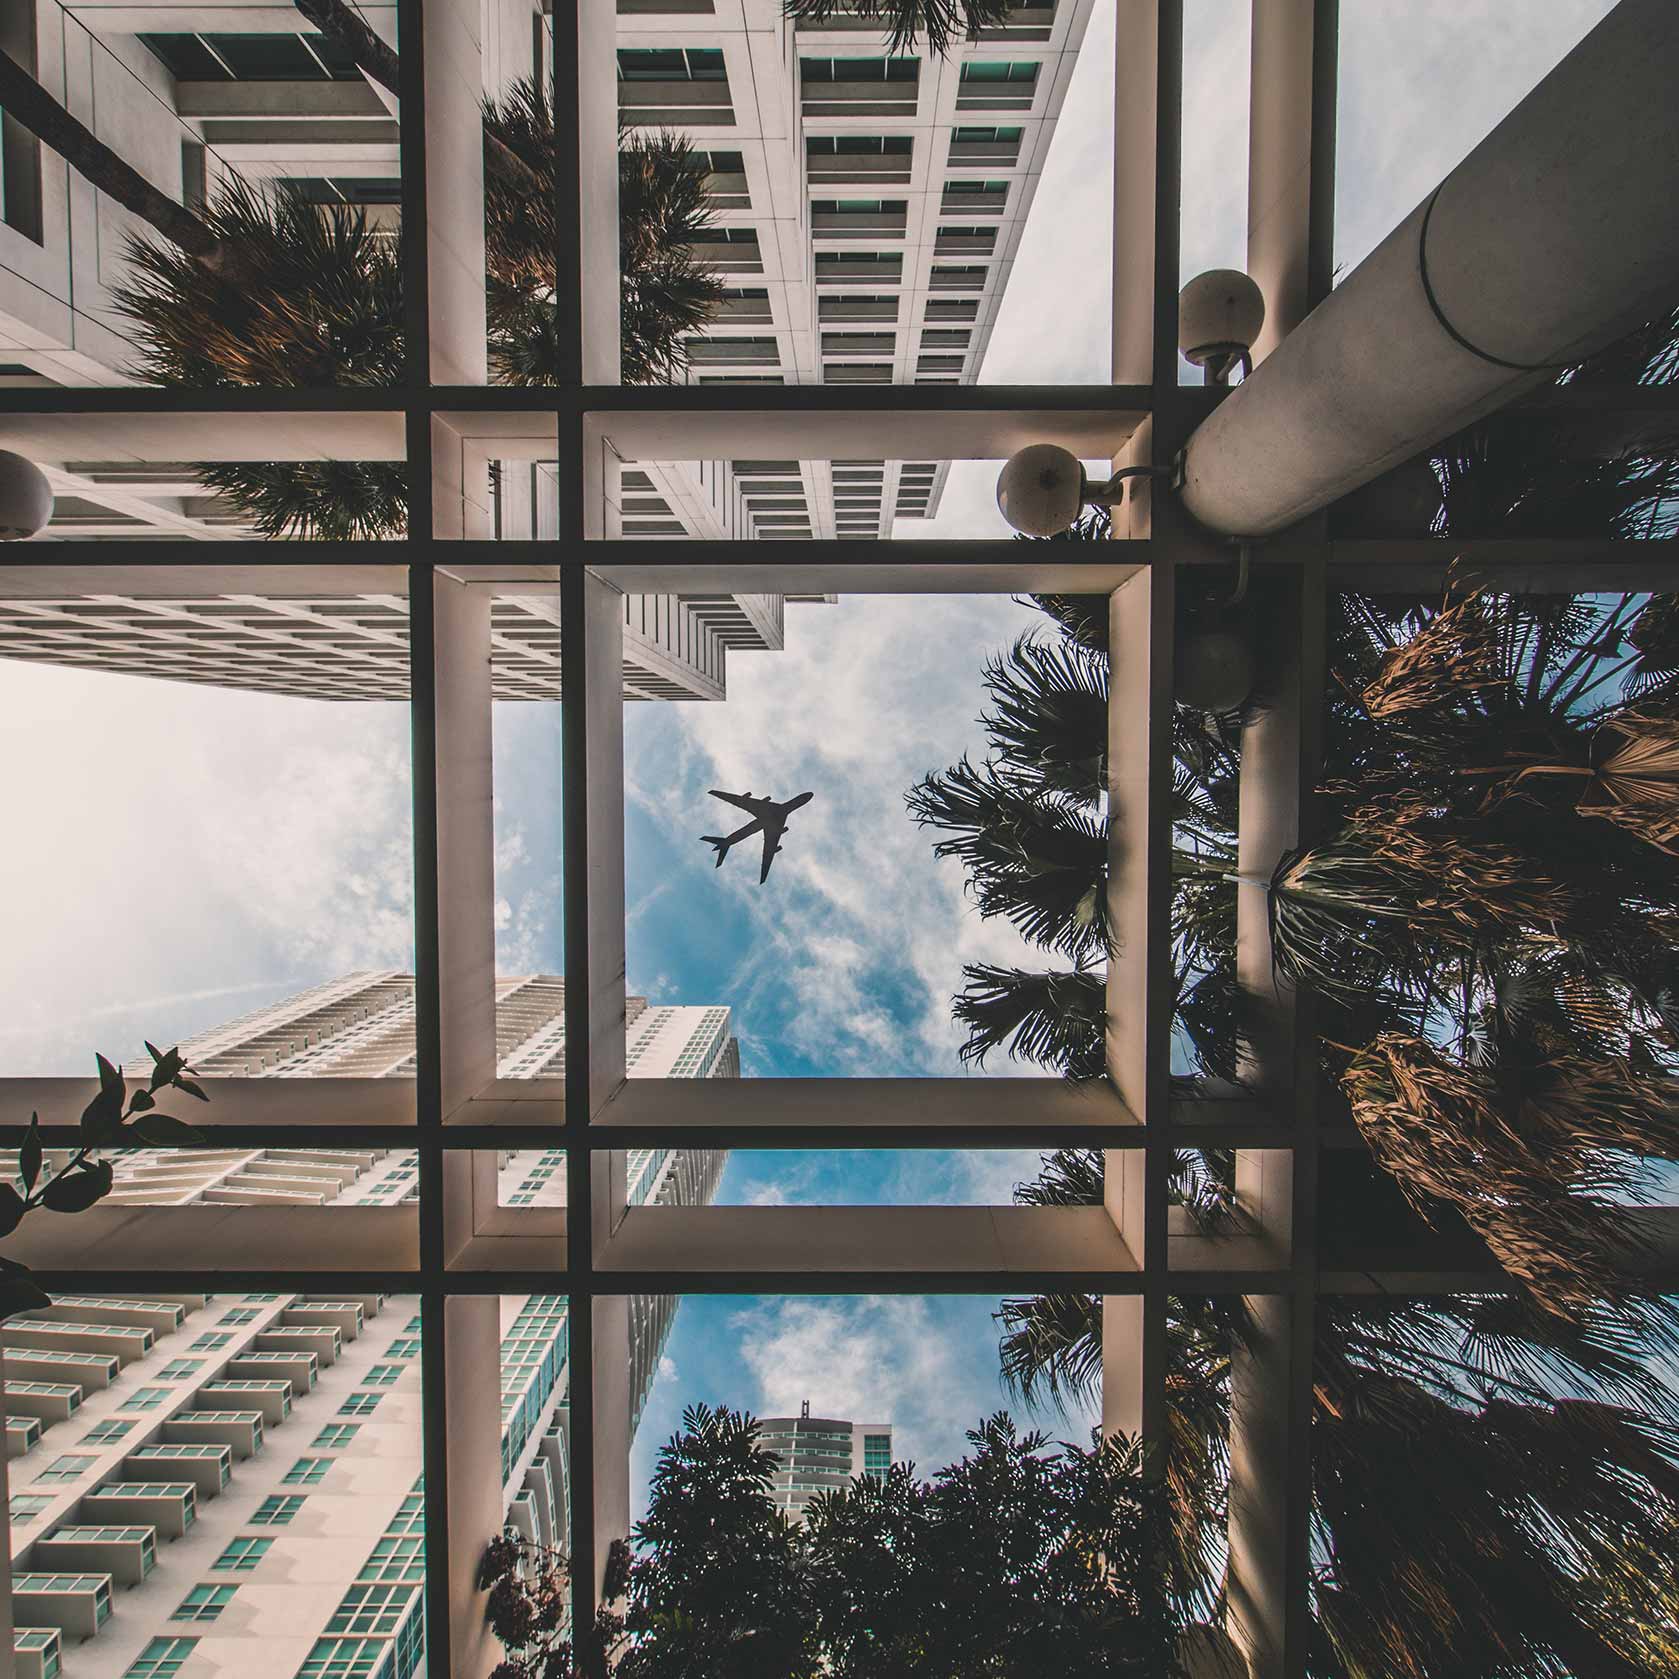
<point>1631,779</point>
<point>1525,1154</point>
<point>1456,652</point>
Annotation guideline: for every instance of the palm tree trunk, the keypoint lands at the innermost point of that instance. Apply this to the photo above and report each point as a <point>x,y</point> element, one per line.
<point>338,23</point>
<point>23,97</point>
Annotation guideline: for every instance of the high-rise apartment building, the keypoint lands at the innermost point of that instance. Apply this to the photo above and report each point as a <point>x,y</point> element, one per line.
<point>868,207</point>
<point>822,1454</point>
<point>204,1485</point>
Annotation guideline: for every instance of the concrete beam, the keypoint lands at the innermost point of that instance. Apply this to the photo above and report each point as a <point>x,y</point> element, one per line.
<point>1540,247</point>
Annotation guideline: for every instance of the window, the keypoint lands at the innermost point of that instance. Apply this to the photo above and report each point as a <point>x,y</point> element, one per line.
<point>359,1404</point>
<point>372,1608</point>
<point>113,1428</point>
<point>145,1399</point>
<point>206,1343</point>
<point>252,58</point>
<point>855,207</point>
<point>178,1369</point>
<point>241,1555</point>
<point>397,1557</point>
<point>20,151</point>
<point>860,69</point>
<point>277,1509</point>
<point>161,1658</point>
<point>343,1658</point>
<point>877,1453</point>
<point>66,1468</point>
<point>985,136</point>
<point>307,1472</point>
<point>335,1434</point>
<point>382,1375</point>
<point>239,1314</point>
<point>859,145</point>
<point>671,64</point>
<point>997,190</point>
<point>724,163</point>
<point>204,1603</point>
<point>998,70</point>
<point>26,1506</point>
<point>988,234</point>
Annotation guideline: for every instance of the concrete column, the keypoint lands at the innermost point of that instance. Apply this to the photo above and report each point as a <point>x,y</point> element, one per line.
<point>7,1655</point>
<point>1136,59</point>
<point>612,1424</point>
<point>472,1350</point>
<point>1291,160</point>
<point>1543,244</point>
<point>465,839</point>
<point>603,651</point>
<point>597,115</point>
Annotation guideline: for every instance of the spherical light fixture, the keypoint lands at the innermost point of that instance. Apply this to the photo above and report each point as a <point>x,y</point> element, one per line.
<point>1042,489</point>
<point>1220,314</point>
<point>25,498</point>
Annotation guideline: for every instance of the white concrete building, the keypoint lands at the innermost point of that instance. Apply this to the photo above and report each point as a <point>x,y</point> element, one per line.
<point>155,1526</point>
<point>869,209</point>
<point>822,1454</point>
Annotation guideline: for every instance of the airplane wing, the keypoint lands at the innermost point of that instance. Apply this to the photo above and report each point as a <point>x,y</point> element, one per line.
<point>772,844</point>
<point>745,801</point>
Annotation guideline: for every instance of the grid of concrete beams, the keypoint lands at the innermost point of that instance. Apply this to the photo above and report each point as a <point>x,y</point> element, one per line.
<point>457,1250</point>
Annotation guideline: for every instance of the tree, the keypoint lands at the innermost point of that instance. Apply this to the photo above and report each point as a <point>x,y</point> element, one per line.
<point>111,1119</point>
<point>1020,1559</point>
<point>936,22</point>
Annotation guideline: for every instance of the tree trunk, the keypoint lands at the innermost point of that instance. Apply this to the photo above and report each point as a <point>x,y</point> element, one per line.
<point>22,97</point>
<point>338,23</point>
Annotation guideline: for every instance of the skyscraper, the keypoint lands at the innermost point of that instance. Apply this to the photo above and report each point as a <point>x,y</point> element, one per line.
<point>163,1518</point>
<point>822,1454</point>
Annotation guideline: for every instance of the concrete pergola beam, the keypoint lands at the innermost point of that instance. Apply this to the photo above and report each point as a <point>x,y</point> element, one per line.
<point>1550,239</point>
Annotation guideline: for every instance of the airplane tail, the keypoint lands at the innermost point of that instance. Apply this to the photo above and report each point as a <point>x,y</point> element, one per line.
<point>719,844</point>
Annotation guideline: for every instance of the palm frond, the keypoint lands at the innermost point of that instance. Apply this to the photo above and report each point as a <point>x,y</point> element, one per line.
<point>937,23</point>
<point>1054,1018</point>
<point>1049,722</point>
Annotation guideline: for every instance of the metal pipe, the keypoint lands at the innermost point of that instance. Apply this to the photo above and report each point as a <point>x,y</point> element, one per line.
<point>1549,240</point>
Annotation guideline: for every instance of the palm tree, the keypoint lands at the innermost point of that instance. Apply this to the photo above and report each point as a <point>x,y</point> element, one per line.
<point>937,22</point>
<point>1494,1492</point>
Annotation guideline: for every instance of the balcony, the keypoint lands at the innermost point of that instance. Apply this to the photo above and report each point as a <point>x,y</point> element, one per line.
<point>320,1339</point>
<point>125,1553</point>
<point>833,269</point>
<point>57,1367</point>
<point>23,1434</point>
<point>169,1506</point>
<point>859,87</point>
<point>209,1467</point>
<point>126,1343</point>
<point>239,1431</point>
<point>51,1401</point>
<point>877,221</point>
<point>733,352</point>
<point>74,1603</point>
<point>271,1398</point>
<point>299,1368</point>
<point>38,1652</point>
<point>345,1315</point>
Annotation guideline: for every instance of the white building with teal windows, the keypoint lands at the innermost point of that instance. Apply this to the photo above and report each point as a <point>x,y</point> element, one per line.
<point>232,1484</point>
<point>821,1454</point>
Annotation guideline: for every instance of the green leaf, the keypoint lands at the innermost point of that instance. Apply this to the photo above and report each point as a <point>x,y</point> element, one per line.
<point>102,1119</point>
<point>18,1293</point>
<point>165,1067</point>
<point>191,1087</point>
<point>29,1156</point>
<point>140,1101</point>
<point>11,1209</point>
<point>75,1192</point>
<point>164,1131</point>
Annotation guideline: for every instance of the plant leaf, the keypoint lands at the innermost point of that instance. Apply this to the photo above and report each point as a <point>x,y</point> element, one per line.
<point>75,1192</point>
<point>102,1119</point>
<point>11,1209</point>
<point>29,1156</point>
<point>19,1293</point>
<point>165,1067</point>
<point>110,1079</point>
<point>140,1101</point>
<point>164,1131</point>
<point>191,1087</point>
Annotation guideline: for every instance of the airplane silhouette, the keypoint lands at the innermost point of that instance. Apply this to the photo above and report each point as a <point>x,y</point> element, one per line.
<point>768,818</point>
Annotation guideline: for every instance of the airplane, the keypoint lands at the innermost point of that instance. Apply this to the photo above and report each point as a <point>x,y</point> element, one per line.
<point>768,817</point>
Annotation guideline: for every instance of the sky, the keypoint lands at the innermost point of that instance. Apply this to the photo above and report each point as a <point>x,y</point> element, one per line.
<point>176,856</point>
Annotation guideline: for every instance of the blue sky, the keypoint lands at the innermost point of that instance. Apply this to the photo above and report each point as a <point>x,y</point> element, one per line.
<point>177,856</point>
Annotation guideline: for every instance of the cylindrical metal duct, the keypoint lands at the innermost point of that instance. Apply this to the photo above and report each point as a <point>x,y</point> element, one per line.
<point>1553,236</point>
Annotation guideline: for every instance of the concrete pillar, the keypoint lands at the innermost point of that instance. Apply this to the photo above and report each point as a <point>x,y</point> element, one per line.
<point>472,1377</point>
<point>1136,60</point>
<point>1291,160</point>
<point>612,1424</point>
<point>597,115</point>
<point>465,839</point>
<point>1548,240</point>
<point>454,89</point>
